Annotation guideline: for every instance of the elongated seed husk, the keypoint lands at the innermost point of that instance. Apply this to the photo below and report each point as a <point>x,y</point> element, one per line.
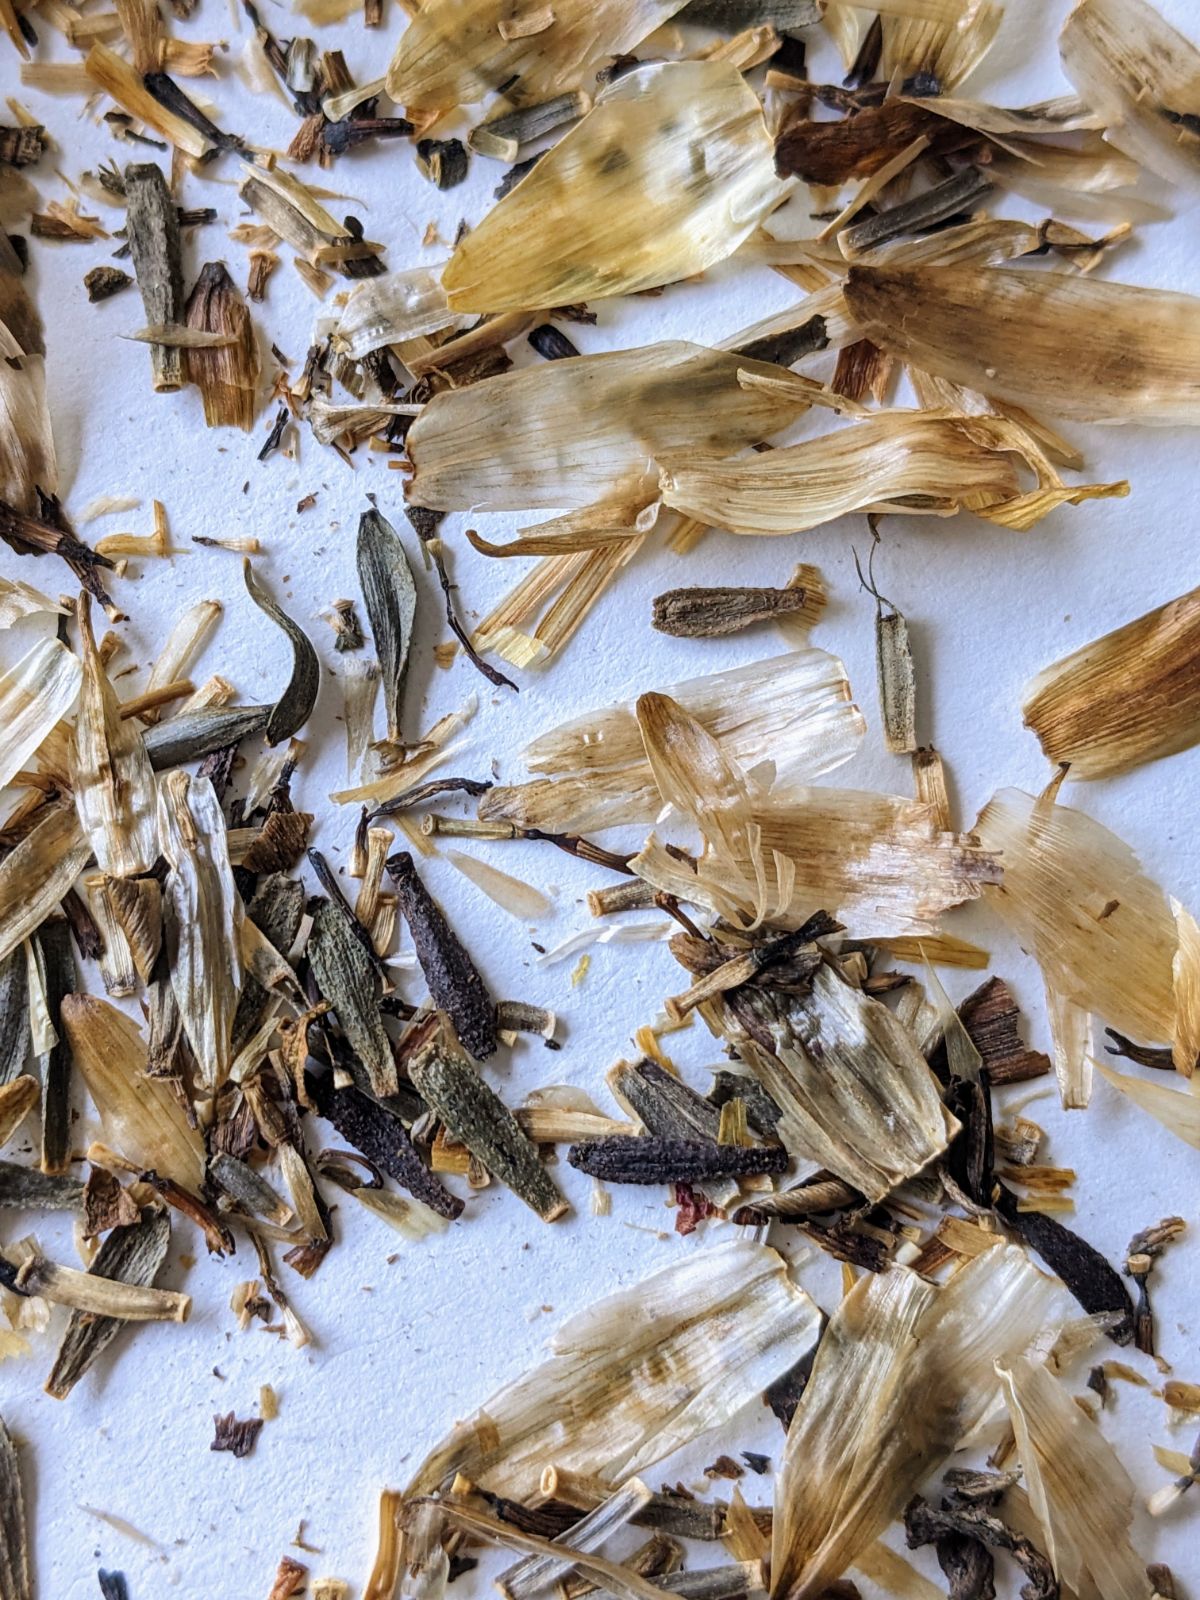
<point>347,978</point>
<point>56,960</point>
<point>134,1254</point>
<point>391,601</point>
<point>665,1106</point>
<point>380,1136</point>
<point>476,1117</point>
<point>15,1579</point>
<point>156,247</point>
<point>14,1015</point>
<point>27,1189</point>
<point>454,983</point>
<point>623,1159</point>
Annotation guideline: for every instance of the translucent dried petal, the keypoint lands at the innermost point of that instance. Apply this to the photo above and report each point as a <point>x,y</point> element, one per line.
<point>1073,346</point>
<point>1080,1493</point>
<point>637,1375</point>
<point>110,770</point>
<point>572,432</point>
<point>34,696</point>
<point>205,921</point>
<point>917,1361</point>
<point>1178,1112</point>
<point>35,876</point>
<point>900,461</point>
<point>669,172</point>
<point>1142,76</point>
<point>141,1116</point>
<point>27,458</point>
<point>1128,697</point>
<point>796,708</point>
<point>457,52</point>
<point>1078,900</point>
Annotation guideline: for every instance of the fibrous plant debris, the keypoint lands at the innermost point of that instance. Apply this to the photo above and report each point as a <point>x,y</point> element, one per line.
<point>298,1024</point>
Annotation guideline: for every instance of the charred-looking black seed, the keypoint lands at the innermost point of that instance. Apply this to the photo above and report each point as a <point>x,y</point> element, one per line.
<point>629,1159</point>
<point>382,1138</point>
<point>550,343</point>
<point>1091,1279</point>
<point>454,983</point>
<point>112,1585</point>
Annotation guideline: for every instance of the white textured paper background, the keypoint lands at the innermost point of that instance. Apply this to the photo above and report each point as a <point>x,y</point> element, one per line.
<point>410,1337</point>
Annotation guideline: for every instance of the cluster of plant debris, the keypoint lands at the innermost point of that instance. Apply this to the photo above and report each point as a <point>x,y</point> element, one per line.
<point>285,1061</point>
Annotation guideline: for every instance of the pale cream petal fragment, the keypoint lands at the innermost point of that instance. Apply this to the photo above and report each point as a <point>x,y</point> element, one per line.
<point>459,52</point>
<point>1179,1113</point>
<point>1079,347</point>
<point>393,308</point>
<point>882,864</point>
<point>796,706</point>
<point>911,462</point>
<point>1076,897</point>
<point>1143,77</point>
<point>856,1093</point>
<point>1185,970</point>
<point>34,696</point>
<point>182,647</point>
<point>203,928</point>
<point>141,1117</point>
<point>27,459</point>
<point>919,1363</point>
<point>668,173</point>
<point>110,769</point>
<point>1080,1493</point>
<point>19,600</point>
<point>1071,1038</point>
<point>35,876</point>
<point>1131,696</point>
<point>637,1375</point>
<point>511,894</point>
<point>585,429</point>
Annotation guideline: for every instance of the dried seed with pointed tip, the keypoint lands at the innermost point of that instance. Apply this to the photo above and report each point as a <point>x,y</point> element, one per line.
<point>347,978</point>
<point>15,1581</point>
<point>379,1135</point>
<point>132,1255</point>
<point>476,1117</point>
<point>623,1159</point>
<point>391,601</point>
<point>294,706</point>
<point>454,983</point>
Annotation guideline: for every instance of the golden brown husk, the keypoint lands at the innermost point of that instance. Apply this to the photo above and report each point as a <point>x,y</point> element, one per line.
<point>227,377</point>
<point>141,1116</point>
<point>1074,346</point>
<point>918,1362</point>
<point>1130,696</point>
<point>618,205</point>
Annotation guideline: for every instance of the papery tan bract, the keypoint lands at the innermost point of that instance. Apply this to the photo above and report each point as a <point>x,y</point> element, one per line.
<point>1177,1110</point>
<point>910,462</point>
<point>946,39</point>
<point>203,928</point>
<point>27,458</point>
<point>227,377</point>
<point>903,1372</point>
<point>881,863</point>
<point>35,695</point>
<point>141,1116</point>
<point>584,429</point>
<point>1126,698</point>
<point>1142,76</point>
<point>669,172</point>
<point>1073,346</point>
<point>110,770</point>
<point>459,52</point>
<point>37,874</point>
<point>637,1375</point>
<point>794,710</point>
<point>1078,900</point>
<point>1081,1494</point>
<point>854,1090</point>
